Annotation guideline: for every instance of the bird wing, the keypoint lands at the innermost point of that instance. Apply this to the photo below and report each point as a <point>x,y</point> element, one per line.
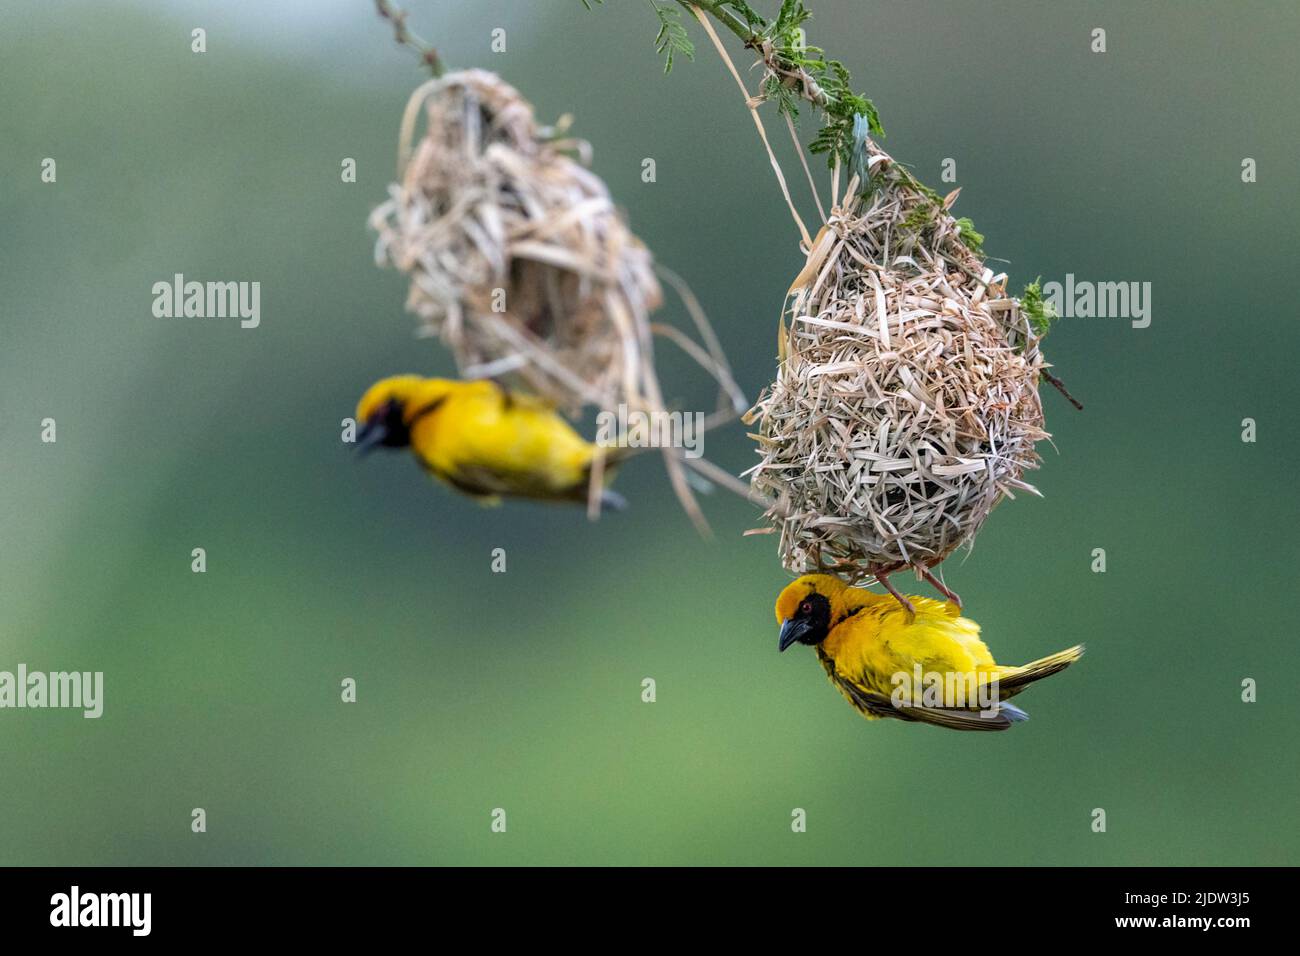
<point>865,652</point>
<point>878,705</point>
<point>497,479</point>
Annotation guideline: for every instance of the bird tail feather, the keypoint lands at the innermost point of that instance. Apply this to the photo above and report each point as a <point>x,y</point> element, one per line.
<point>612,501</point>
<point>1014,713</point>
<point>1017,678</point>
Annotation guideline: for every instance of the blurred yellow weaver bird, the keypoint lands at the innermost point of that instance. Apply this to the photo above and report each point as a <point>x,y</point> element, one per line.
<point>883,659</point>
<point>482,439</point>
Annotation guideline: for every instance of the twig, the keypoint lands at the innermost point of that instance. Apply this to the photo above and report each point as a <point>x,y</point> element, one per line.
<point>725,17</point>
<point>1060,387</point>
<point>391,12</point>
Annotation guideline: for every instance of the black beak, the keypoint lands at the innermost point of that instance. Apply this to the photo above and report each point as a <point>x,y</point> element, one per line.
<point>370,437</point>
<point>791,631</point>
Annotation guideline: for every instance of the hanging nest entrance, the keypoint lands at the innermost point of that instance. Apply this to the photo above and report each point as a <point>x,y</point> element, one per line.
<point>518,258</point>
<point>906,402</point>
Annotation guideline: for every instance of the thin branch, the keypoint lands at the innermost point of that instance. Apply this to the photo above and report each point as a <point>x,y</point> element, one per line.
<point>394,14</point>
<point>1060,387</point>
<point>724,17</point>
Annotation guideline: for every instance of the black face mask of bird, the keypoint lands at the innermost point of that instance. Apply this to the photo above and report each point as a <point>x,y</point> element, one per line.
<point>809,624</point>
<point>385,428</point>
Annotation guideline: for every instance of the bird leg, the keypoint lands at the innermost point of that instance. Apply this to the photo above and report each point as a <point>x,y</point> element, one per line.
<point>907,605</point>
<point>940,586</point>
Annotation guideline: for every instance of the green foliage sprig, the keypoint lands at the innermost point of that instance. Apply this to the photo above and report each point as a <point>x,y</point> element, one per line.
<point>1038,310</point>
<point>798,71</point>
<point>672,38</point>
<point>973,239</point>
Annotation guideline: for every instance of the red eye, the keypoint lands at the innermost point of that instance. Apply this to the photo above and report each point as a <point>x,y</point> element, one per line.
<point>806,607</point>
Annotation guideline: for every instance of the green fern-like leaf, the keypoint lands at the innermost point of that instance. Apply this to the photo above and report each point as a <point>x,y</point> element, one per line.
<point>787,101</point>
<point>746,12</point>
<point>833,91</point>
<point>671,40</point>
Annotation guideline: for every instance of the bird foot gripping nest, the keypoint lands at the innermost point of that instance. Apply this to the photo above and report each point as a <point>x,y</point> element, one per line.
<point>906,403</point>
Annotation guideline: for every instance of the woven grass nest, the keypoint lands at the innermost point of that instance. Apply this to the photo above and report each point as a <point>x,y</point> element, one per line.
<point>522,264</point>
<point>906,402</point>
<point>518,258</point>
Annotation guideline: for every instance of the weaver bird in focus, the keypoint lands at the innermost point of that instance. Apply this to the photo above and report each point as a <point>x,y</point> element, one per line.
<point>483,440</point>
<point>929,666</point>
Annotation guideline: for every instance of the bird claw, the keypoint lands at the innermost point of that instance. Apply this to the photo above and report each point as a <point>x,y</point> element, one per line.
<point>908,606</point>
<point>939,586</point>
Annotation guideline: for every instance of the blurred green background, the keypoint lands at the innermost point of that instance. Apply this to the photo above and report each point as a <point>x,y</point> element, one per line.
<point>522,690</point>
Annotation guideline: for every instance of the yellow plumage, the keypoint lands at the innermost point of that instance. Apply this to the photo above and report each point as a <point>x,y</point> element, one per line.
<point>480,438</point>
<point>930,667</point>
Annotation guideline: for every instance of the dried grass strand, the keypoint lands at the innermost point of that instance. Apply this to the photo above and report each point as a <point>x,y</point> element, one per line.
<point>752,106</point>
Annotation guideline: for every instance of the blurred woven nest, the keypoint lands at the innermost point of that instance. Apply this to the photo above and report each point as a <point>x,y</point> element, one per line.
<point>906,402</point>
<point>518,258</point>
<point>522,264</point>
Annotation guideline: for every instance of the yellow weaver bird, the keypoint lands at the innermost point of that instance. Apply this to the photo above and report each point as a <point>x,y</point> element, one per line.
<point>482,439</point>
<point>930,667</point>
